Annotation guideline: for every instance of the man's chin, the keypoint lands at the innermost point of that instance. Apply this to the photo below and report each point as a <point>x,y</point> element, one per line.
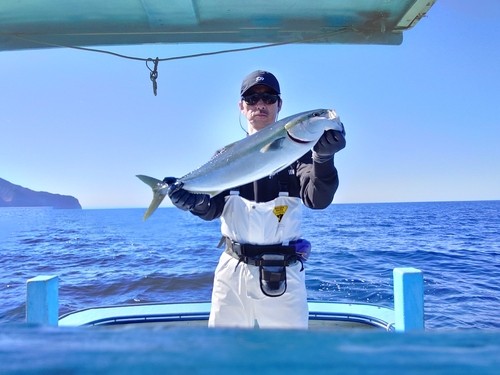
<point>262,119</point>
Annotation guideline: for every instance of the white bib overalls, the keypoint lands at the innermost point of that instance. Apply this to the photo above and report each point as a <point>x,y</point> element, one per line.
<point>237,300</point>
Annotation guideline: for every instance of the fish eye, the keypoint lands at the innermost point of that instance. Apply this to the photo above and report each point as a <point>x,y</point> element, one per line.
<point>316,114</point>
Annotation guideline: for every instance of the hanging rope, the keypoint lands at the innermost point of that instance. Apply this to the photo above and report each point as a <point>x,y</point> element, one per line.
<point>154,72</point>
<point>325,35</point>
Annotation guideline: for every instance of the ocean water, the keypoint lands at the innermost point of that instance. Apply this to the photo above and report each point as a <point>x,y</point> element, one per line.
<point>109,257</point>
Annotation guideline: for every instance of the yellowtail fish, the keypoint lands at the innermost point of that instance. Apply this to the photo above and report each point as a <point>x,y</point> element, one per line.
<point>261,154</point>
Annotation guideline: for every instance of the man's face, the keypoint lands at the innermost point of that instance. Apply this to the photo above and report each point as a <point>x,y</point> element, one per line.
<point>260,114</point>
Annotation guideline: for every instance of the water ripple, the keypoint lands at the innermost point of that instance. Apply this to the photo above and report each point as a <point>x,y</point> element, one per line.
<point>107,257</point>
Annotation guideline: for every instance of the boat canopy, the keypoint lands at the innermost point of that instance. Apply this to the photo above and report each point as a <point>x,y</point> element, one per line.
<point>30,24</point>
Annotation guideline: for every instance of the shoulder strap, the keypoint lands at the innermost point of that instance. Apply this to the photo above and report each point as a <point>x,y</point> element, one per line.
<point>284,180</point>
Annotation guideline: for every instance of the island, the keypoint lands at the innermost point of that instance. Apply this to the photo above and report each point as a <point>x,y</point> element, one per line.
<point>17,196</point>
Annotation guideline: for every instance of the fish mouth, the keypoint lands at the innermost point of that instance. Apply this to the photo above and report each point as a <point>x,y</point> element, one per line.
<point>332,115</point>
<point>297,140</point>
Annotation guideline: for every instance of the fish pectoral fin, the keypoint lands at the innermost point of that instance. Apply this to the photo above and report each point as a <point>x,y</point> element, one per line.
<point>277,170</point>
<point>275,145</point>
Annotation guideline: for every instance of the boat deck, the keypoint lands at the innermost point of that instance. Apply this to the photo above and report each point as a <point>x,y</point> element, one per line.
<point>322,315</point>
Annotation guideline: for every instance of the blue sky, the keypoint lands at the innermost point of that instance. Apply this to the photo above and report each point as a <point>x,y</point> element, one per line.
<point>421,118</point>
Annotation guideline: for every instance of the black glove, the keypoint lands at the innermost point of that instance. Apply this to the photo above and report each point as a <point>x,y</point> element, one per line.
<point>185,200</point>
<point>331,141</point>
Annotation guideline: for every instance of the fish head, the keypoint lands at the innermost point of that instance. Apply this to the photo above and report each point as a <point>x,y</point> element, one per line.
<point>309,126</point>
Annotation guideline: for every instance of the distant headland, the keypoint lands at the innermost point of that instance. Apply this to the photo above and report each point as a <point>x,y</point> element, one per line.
<point>17,196</point>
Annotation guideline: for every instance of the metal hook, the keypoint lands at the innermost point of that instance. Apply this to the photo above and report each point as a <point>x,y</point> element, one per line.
<point>154,73</point>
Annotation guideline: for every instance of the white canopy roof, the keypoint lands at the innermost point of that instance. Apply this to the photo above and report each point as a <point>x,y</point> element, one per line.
<point>26,24</point>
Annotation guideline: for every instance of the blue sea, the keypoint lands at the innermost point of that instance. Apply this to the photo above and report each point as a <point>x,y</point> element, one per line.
<point>110,257</point>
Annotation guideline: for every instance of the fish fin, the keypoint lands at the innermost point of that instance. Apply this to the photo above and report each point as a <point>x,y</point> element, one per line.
<point>227,147</point>
<point>224,149</point>
<point>277,170</point>
<point>150,181</point>
<point>211,193</point>
<point>159,192</point>
<point>275,145</point>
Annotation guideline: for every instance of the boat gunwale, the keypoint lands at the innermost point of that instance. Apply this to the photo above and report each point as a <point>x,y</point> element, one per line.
<point>371,315</point>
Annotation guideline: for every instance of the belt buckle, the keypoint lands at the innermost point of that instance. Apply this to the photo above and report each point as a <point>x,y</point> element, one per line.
<point>236,248</point>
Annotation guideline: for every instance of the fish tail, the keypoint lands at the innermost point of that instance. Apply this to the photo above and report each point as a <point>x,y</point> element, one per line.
<point>159,192</point>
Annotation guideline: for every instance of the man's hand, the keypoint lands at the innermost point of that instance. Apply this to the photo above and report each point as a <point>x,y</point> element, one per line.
<point>331,141</point>
<point>185,200</point>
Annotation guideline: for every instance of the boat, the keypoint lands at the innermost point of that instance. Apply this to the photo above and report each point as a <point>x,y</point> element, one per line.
<point>81,24</point>
<point>42,307</point>
<point>50,343</point>
<point>322,315</point>
<point>76,23</point>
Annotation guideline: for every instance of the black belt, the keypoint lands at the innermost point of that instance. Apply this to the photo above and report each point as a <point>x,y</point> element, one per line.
<point>251,254</point>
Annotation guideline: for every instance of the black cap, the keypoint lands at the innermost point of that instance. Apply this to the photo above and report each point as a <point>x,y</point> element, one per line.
<point>260,77</point>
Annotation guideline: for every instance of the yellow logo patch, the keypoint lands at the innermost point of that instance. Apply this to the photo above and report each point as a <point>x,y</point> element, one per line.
<point>279,211</point>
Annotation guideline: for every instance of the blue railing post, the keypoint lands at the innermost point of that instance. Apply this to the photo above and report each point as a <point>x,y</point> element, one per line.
<point>42,300</point>
<point>408,299</point>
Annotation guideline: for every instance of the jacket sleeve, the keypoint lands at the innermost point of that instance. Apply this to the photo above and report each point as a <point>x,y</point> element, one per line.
<point>215,207</point>
<point>318,182</point>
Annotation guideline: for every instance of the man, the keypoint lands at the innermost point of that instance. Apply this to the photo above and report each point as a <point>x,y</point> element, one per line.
<point>260,279</point>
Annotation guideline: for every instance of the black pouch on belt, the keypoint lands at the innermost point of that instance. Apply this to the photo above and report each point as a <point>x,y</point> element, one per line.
<point>272,270</point>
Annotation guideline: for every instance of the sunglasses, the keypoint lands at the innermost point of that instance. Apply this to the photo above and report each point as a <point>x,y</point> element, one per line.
<point>266,98</point>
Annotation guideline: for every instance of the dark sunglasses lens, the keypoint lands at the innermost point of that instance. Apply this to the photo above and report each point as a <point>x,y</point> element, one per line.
<point>252,99</point>
<point>266,98</point>
<point>269,98</point>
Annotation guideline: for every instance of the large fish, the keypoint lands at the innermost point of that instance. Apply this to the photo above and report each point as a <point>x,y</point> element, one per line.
<point>261,154</point>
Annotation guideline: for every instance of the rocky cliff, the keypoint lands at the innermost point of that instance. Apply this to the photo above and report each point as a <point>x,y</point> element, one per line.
<point>17,196</point>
